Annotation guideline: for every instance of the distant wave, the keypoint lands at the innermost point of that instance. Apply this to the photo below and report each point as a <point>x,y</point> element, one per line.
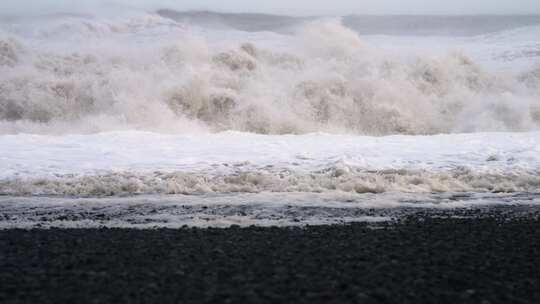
<point>243,22</point>
<point>362,24</point>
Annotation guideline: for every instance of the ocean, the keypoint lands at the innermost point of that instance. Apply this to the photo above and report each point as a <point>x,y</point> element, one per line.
<point>165,119</point>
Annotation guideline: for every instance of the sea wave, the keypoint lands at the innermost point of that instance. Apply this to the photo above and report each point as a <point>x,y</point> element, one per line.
<point>327,79</point>
<point>336,179</point>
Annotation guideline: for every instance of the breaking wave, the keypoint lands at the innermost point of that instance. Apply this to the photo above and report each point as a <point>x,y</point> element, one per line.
<point>337,179</point>
<point>328,79</point>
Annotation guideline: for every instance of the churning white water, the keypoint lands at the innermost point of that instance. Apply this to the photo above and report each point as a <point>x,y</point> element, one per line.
<point>89,75</point>
<point>200,106</point>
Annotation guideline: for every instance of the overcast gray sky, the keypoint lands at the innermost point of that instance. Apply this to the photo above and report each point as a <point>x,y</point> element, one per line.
<point>291,7</point>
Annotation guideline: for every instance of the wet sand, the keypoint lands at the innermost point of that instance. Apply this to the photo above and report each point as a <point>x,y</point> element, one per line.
<point>493,257</point>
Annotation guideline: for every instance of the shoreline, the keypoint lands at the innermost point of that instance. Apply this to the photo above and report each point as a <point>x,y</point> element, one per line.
<point>261,210</point>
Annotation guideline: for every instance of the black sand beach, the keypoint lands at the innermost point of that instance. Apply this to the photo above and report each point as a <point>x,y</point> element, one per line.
<point>492,258</point>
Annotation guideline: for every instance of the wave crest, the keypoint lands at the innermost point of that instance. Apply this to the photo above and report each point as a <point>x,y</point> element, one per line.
<point>329,81</point>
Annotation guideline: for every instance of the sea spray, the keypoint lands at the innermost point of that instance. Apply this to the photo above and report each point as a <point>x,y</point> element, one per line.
<point>178,81</point>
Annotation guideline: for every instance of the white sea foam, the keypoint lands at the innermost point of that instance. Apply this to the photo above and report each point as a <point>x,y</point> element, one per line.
<point>262,209</point>
<point>150,73</point>
<point>128,163</point>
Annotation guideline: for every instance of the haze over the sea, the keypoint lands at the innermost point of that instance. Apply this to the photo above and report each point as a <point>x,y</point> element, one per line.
<point>297,7</point>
